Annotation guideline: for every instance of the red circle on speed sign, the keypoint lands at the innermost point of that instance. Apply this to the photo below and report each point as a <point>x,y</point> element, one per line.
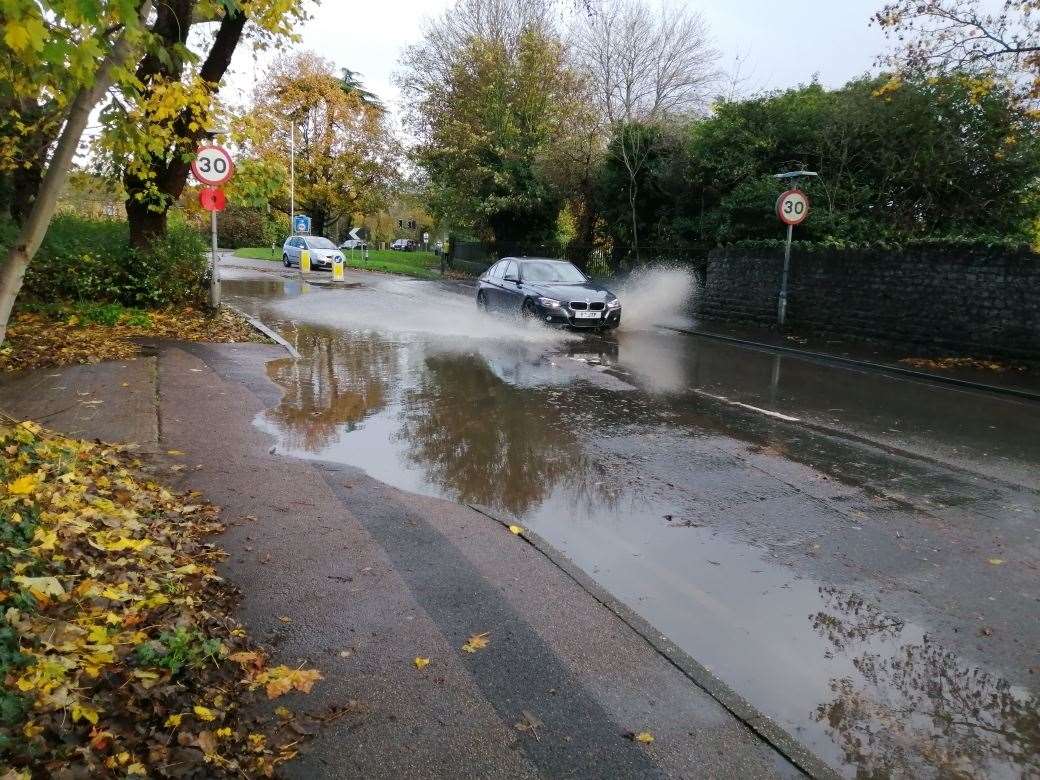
<point>212,165</point>
<point>212,199</point>
<point>792,207</point>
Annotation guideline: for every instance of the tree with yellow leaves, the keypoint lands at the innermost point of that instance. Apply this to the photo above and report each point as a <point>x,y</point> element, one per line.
<point>346,156</point>
<point>57,61</point>
<point>968,37</point>
<point>153,130</point>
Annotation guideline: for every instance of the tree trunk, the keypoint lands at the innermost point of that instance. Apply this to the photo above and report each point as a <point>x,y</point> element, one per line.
<point>171,177</point>
<point>24,248</point>
<point>318,223</point>
<point>146,225</point>
<point>635,223</point>
<point>25,185</point>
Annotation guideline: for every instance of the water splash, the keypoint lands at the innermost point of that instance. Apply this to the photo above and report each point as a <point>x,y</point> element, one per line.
<point>415,309</point>
<point>655,296</point>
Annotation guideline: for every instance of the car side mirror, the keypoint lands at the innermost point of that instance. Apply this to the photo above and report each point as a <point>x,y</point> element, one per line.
<point>514,279</point>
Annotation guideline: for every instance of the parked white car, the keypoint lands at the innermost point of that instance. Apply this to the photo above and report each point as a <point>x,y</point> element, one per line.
<point>323,252</point>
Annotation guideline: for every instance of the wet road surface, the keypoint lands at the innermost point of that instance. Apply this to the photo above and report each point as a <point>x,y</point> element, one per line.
<point>853,553</point>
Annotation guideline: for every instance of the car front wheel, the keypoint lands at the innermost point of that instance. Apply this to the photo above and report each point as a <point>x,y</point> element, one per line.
<point>482,301</point>
<point>529,311</point>
<point>285,261</point>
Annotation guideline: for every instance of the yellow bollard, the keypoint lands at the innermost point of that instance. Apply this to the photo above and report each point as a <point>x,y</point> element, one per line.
<point>337,271</point>
<point>305,261</point>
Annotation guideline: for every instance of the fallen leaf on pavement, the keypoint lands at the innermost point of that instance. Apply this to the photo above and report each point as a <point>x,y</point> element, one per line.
<point>516,529</point>
<point>280,680</point>
<point>477,642</point>
<point>421,663</point>
<point>529,723</point>
<point>645,737</point>
<point>996,561</point>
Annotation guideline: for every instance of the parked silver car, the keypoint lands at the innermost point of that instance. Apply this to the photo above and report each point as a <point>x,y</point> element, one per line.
<point>323,252</point>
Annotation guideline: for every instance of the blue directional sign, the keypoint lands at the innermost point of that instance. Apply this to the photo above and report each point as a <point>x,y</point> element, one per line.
<point>302,223</point>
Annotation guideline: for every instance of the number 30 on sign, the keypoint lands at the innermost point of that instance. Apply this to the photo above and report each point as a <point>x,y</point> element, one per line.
<point>212,165</point>
<point>792,207</point>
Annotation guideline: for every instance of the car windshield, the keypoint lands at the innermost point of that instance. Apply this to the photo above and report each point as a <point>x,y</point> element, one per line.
<point>320,243</point>
<point>552,271</point>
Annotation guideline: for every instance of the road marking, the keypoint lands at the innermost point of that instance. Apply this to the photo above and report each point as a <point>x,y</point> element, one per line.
<point>767,412</point>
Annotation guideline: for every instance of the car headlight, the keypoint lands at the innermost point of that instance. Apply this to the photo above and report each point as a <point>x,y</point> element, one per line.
<point>549,303</point>
<point>613,303</point>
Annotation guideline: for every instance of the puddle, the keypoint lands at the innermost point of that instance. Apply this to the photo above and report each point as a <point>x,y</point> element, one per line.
<point>653,497</point>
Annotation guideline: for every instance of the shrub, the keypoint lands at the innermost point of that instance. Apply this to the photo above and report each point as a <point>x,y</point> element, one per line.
<point>91,260</point>
<point>238,226</point>
<point>173,270</point>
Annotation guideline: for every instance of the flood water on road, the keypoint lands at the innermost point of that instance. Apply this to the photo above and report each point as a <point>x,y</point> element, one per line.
<point>841,588</point>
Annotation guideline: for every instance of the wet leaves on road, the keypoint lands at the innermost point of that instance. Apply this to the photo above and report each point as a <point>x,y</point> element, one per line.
<point>36,339</point>
<point>421,663</point>
<point>643,737</point>
<point>516,529</point>
<point>477,642</point>
<point>118,651</point>
<point>529,724</point>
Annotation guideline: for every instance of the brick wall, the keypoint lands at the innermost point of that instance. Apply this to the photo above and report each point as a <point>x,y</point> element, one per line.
<point>972,301</point>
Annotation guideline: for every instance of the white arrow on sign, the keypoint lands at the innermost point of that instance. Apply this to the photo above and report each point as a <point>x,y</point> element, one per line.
<point>354,235</point>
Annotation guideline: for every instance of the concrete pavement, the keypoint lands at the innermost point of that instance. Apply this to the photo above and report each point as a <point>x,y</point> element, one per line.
<point>344,573</point>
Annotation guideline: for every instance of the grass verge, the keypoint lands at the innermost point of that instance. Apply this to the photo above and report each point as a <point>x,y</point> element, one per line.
<point>422,265</point>
<point>63,334</point>
<point>119,653</point>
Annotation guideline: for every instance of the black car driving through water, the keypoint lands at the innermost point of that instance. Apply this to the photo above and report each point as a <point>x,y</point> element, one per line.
<point>554,292</point>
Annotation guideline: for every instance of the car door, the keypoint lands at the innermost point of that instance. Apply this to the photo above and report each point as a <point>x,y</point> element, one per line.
<point>492,282</point>
<point>512,294</point>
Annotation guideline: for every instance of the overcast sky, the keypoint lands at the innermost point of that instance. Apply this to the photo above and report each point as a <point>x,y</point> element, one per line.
<point>783,42</point>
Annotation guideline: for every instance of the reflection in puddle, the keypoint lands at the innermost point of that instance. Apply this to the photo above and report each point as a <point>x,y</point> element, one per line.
<point>914,709</point>
<point>343,380</point>
<point>510,456</point>
<point>650,500</point>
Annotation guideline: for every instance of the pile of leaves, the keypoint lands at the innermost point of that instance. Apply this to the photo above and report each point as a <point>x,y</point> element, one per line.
<point>952,363</point>
<point>118,653</point>
<point>63,336</point>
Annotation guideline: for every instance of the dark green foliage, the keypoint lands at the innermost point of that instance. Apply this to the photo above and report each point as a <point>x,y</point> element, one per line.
<point>91,260</point>
<point>238,226</point>
<point>175,650</point>
<point>951,159</point>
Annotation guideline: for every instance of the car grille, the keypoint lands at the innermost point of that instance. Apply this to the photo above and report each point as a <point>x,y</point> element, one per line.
<point>583,305</point>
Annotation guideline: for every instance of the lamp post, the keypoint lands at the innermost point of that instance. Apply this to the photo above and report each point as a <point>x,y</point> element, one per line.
<point>292,177</point>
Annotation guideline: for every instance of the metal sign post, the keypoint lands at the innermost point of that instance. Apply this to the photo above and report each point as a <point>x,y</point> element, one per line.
<point>214,274</point>
<point>212,167</point>
<point>792,207</point>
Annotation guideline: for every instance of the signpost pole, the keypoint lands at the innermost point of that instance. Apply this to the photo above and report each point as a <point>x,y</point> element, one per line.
<point>792,207</point>
<point>214,278</point>
<point>782,310</point>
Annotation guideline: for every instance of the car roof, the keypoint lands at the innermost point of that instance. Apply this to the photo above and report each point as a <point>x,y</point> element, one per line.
<point>538,259</point>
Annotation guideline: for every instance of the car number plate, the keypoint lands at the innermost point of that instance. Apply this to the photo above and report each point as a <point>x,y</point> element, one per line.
<point>586,315</point>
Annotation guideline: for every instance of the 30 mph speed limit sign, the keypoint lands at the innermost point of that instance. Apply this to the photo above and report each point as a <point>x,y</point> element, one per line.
<point>212,165</point>
<point>792,207</point>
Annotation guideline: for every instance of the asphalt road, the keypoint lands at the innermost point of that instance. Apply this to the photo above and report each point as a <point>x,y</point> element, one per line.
<point>854,554</point>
